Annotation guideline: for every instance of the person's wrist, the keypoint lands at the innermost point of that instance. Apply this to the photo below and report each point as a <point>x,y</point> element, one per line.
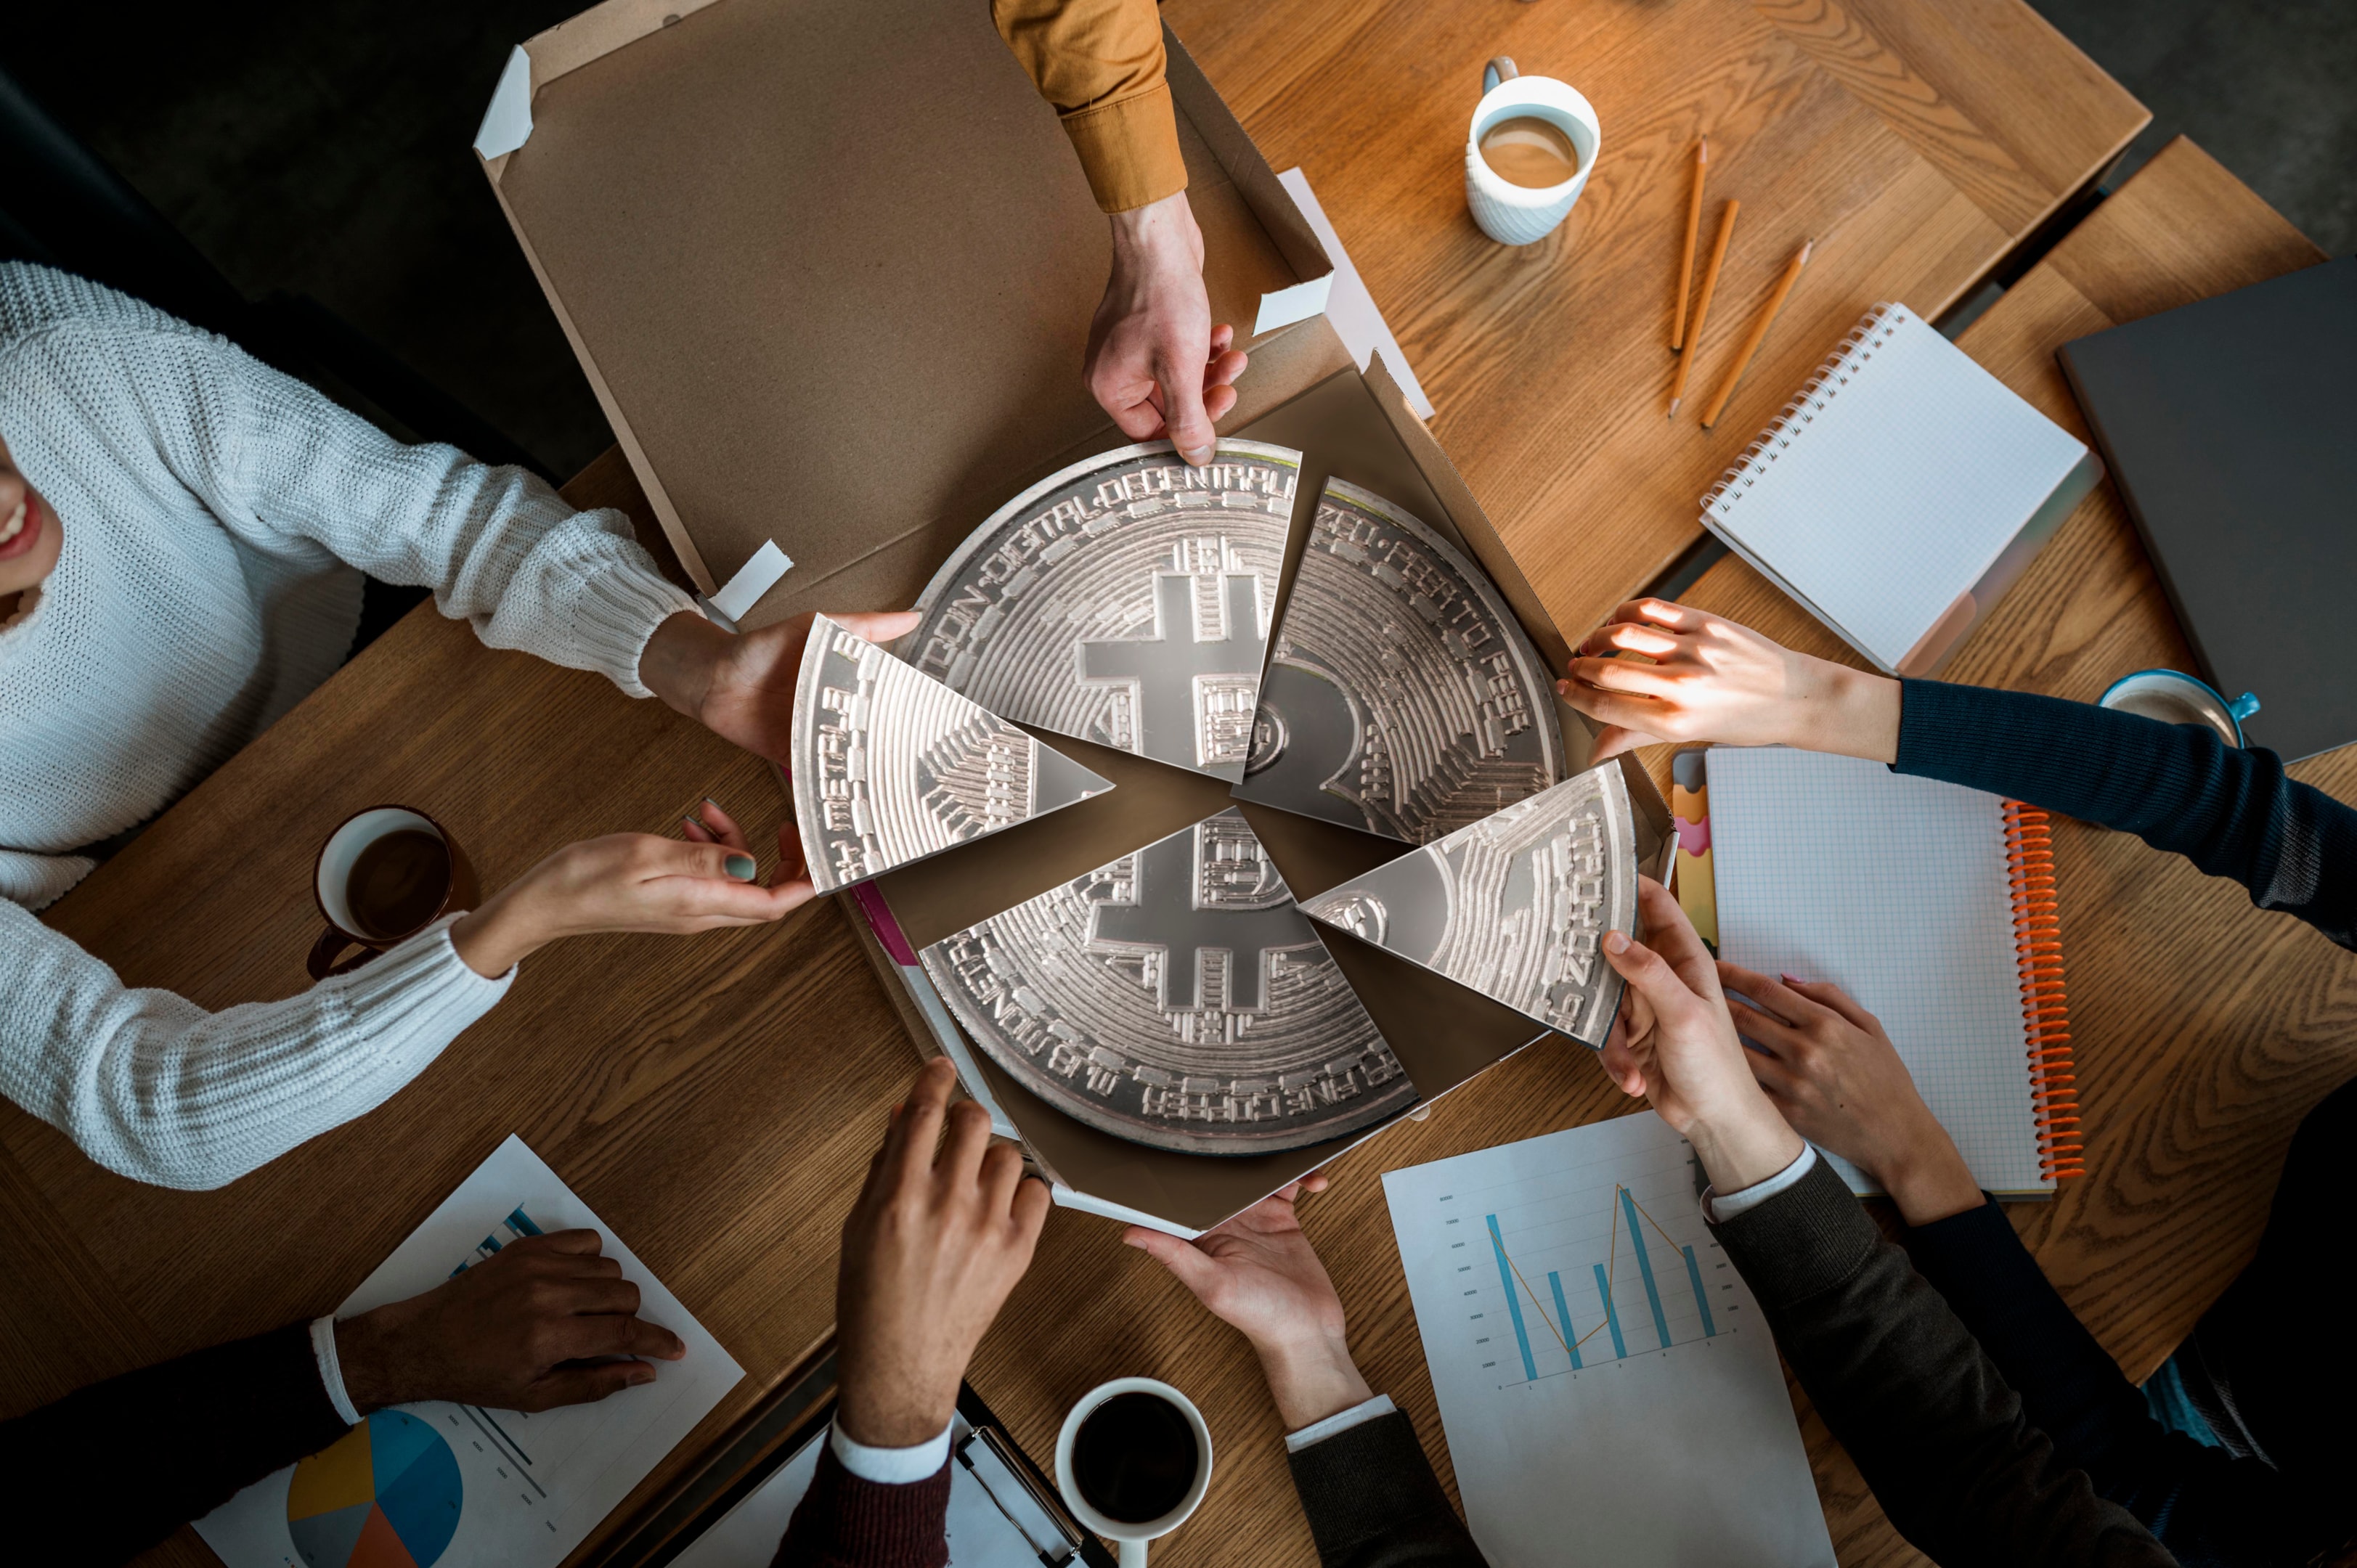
<point>508,928</point>
<point>1742,1141</point>
<point>1159,233</point>
<point>1930,1181</point>
<point>677,663</point>
<point>1311,1377</point>
<point>1854,713</point>
<point>898,1418</point>
<point>368,1355</point>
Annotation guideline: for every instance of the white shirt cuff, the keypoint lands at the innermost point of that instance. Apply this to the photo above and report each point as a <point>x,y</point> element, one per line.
<point>1341,1421</point>
<point>891,1466</point>
<point>1718,1210</point>
<point>331,1370</point>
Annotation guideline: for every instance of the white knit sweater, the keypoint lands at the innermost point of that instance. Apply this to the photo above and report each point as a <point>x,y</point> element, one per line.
<point>210,507</point>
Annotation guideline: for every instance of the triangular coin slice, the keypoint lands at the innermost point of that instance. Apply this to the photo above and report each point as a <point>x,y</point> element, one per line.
<point>1514,907</point>
<point>1176,998</point>
<point>890,766</point>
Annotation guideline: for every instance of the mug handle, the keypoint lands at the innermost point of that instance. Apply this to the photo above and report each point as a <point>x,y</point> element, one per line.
<point>1499,70</point>
<point>2244,706</point>
<point>329,948</point>
<point>1133,1553</point>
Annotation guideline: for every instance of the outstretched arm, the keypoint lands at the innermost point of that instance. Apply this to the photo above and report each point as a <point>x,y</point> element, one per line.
<point>1368,1488</point>
<point>2234,813</point>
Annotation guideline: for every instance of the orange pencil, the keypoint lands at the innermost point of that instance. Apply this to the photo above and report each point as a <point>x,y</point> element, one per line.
<point>1758,332</point>
<point>1702,300</point>
<point>1685,257</point>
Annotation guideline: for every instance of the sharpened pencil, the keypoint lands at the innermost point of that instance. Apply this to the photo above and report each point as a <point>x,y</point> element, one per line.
<point>1686,255</point>
<point>1702,301</point>
<point>1758,332</point>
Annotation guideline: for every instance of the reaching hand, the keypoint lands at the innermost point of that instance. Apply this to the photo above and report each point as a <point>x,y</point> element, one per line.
<point>634,881</point>
<point>1258,1274</point>
<point>938,1238</point>
<point>1711,680</point>
<point>741,687</point>
<point>1678,1047</point>
<point>527,1329</point>
<point>1832,1071</point>
<point>1156,363</point>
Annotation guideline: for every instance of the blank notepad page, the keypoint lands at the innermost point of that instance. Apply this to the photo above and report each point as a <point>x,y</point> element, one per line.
<point>1896,485</point>
<point>1897,890</point>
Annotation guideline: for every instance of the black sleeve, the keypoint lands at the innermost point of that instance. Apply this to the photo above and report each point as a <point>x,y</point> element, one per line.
<point>1373,1501</point>
<point>230,1415</point>
<point>2206,1506</point>
<point>2177,787</point>
<point>843,1521</point>
<point>1936,1432</point>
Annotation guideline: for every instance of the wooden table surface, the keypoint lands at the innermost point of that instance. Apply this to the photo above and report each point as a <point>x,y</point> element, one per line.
<point>713,1099</point>
<point>1918,143</point>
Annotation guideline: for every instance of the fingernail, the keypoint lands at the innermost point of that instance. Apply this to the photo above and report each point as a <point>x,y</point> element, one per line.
<point>1615,942</point>
<point>715,805</point>
<point>1794,980</point>
<point>740,866</point>
<point>691,823</point>
<point>1563,688</point>
<point>642,1373</point>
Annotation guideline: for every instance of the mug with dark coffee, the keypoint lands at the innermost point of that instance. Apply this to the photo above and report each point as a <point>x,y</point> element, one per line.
<point>384,875</point>
<point>1133,1461</point>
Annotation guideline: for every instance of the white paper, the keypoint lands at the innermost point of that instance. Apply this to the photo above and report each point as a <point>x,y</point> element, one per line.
<point>757,576</point>
<point>982,1533</point>
<point>525,1488</point>
<point>1356,319</point>
<point>1678,1448</point>
<point>506,121</point>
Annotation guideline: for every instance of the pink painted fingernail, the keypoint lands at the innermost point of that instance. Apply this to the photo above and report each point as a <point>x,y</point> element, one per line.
<point>1615,942</point>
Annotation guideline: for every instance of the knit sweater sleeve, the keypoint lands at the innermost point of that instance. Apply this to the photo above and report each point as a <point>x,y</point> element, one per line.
<point>2177,787</point>
<point>284,467</point>
<point>157,1089</point>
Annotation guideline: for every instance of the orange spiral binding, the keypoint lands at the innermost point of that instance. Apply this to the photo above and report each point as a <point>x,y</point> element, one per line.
<point>2045,1006</point>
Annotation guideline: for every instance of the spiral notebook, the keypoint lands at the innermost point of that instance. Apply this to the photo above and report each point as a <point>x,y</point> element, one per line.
<point>1934,907</point>
<point>1900,493</point>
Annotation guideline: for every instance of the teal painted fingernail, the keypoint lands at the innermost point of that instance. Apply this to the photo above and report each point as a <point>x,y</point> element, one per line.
<point>715,805</point>
<point>740,866</point>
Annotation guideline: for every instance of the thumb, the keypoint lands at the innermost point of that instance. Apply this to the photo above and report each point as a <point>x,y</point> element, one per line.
<point>1197,1271</point>
<point>1181,381</point>
<point>1651,975</point>
<point>1614,739</point>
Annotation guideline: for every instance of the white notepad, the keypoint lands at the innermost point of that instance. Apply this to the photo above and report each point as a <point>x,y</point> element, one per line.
<point>1900,493</point>
<point>1899,890</point>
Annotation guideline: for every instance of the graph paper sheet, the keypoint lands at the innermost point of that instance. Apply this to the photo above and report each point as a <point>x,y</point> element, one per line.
<point>461,1484</point>
<point>1610,1392</point>
<point>1895,889</point>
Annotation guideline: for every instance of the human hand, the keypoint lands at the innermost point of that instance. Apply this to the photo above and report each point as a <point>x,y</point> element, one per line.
<point>1258,1274</point>
<point>1713,680</point>
<point>527,1329</point>
<point>741,686</point>
<point>929,1252</point>
<point>634,881</point>
<point>1678,1048</point>
<point>1156,362</point>
<point>1831,1069</point>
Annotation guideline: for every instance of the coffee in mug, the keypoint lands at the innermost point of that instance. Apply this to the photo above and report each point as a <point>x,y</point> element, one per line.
<point>1135,1457</point>
<point>1535,153</point>
<point>382,876</point>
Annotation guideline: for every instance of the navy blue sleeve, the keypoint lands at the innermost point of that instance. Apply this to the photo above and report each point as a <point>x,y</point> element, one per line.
<point>2209,1507</point>
<point>2177,787</point>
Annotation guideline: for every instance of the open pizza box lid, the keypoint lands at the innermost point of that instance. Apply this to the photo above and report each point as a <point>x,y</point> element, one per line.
<point>830,267</point>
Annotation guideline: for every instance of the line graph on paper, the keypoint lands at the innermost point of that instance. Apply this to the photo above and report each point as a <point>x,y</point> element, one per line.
<point>1610,1391</point>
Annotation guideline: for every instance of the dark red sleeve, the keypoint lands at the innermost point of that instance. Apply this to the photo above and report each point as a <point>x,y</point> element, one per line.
<point>846,1522</point>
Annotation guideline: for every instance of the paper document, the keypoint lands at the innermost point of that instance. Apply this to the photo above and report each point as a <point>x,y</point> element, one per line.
<point>1610,1392</point>
<point>460,1487</point>
<point>993,1520</point>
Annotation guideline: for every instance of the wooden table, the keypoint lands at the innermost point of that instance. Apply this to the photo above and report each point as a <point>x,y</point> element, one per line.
<point>1918,143</point>
<point>714,1099</point>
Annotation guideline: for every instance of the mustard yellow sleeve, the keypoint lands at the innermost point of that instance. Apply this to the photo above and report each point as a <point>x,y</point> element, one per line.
<point>1100,62</point>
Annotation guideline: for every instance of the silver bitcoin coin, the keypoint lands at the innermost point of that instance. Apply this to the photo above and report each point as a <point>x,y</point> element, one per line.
<point>1514,907</point>
<point>1125,600</point>
<point>1176,998</point>
<point>890,766</point>
<point>1401,697</point>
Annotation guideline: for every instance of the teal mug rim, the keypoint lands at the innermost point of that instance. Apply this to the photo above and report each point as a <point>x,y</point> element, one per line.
<point>2236,709</point>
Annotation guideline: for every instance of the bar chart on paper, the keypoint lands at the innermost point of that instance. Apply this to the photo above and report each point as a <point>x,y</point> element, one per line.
<point>1609,1389</point>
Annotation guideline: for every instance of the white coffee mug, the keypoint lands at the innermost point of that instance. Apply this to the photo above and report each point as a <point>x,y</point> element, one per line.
<point>1513,214</point>
<point>1132,1536</point>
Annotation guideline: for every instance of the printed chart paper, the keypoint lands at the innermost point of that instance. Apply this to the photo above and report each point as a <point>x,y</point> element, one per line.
<point>463,1486</point>
<point>1610,1392</point>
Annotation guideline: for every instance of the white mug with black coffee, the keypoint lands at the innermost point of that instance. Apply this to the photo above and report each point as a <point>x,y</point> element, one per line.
<point>383,875</point>
<point>1132,1462</point>
<point>1528,154</point>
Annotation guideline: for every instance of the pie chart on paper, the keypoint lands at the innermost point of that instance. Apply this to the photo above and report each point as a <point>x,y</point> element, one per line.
<point>385,1495</point>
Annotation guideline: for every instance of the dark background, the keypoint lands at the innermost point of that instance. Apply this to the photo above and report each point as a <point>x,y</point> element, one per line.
<point>321,152</point>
